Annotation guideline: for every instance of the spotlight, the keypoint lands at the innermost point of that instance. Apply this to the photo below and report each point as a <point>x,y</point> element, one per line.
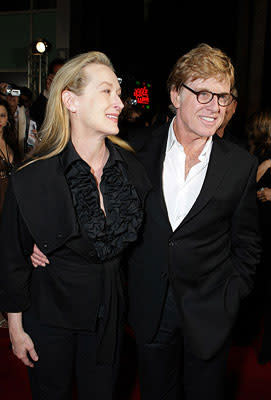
<point>40,47</point>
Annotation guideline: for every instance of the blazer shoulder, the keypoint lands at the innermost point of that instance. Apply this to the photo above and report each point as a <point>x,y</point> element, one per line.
<point>39,167</point>
<point>237,152</point>
<point>45,203</point>
<point>132,161</point>
<point>136,172</point>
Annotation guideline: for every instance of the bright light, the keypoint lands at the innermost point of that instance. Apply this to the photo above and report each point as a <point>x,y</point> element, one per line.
<point>41,47</point>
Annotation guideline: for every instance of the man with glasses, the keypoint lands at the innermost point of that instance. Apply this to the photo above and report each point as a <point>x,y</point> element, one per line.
<point>200,244</point>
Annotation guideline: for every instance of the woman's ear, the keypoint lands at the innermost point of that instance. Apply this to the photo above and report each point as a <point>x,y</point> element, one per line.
<point>69,100</point>
<point>175,98</point>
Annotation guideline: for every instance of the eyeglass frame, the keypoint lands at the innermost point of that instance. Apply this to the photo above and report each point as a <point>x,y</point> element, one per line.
<point>213,94</point>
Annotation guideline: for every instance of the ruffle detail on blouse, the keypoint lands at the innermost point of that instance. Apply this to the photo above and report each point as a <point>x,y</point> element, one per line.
<point>112,233</point>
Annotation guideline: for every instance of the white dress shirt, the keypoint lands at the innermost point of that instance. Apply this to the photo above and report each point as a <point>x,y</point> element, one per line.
<point>180,194</point>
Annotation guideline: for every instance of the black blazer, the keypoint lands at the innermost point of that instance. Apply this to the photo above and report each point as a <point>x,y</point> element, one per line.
<point>38,209</point>
<point>209,260</point>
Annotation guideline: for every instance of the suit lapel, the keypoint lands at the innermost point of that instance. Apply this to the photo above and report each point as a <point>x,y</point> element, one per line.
<point>217,168</point>
<point>161,190</point>
<point>153,159</point>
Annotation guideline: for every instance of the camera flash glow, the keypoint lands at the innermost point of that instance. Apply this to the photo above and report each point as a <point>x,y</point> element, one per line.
<point>40,46</point>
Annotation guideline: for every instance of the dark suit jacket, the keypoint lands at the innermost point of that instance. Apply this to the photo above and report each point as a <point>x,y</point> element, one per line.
<point>39,209</point>
<point>209,260</point>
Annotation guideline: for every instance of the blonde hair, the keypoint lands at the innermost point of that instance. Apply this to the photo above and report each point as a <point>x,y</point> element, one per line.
<point>202,62</point>
<point>55,131</point>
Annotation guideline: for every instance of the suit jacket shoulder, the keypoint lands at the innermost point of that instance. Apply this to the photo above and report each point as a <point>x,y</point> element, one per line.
<point>136,172</point>
<point>45,203</point>
<point>236,151</point>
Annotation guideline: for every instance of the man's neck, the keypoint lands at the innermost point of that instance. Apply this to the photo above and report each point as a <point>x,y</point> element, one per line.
<point>220,132</point>
<point>192,143</point>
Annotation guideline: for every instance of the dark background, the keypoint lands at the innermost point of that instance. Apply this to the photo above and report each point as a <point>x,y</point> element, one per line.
<point>144,39</point>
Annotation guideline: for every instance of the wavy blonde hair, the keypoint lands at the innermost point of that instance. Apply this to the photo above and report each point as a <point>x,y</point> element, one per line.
<point>202,62</point>
<point>55,131</point>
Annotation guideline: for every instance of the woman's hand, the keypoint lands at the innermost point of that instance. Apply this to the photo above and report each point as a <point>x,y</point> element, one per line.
<point>22,344</point>
<point>264,195</point>
<point>38,258</point>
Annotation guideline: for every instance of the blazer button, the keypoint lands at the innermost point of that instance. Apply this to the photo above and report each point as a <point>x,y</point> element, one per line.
<point>45,245</point>
<point>171,243</point>
<point>59,235</point>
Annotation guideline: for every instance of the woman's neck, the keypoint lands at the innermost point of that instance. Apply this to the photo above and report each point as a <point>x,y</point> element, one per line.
<point>92,150</point>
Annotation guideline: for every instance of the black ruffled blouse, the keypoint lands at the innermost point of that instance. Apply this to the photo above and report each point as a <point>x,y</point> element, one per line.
<point>112,233</point>
<point>108,234</point>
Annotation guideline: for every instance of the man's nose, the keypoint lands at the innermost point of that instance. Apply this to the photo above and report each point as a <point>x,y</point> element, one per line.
<point>214,103</point>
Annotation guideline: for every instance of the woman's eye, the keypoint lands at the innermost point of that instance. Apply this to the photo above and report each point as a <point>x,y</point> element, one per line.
<point>107,91</point>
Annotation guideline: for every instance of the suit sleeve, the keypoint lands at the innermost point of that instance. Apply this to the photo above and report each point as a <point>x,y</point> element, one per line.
<point>246,240</point>
<point>15,247</point>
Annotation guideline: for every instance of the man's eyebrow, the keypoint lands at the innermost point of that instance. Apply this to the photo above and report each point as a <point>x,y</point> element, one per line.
<point>209,90</point>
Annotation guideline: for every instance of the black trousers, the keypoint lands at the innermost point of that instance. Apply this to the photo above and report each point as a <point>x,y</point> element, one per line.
<point>168,370</point>
<point>67,356</point>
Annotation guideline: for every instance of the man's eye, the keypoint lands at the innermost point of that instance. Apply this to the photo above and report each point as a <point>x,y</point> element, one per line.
<point>107,91</point>
<point>205,94</point>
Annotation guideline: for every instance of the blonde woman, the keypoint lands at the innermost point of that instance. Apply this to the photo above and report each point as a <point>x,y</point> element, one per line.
<point>79,199</point>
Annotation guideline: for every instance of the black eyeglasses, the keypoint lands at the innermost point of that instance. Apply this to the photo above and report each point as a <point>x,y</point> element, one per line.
<point>204,97</point>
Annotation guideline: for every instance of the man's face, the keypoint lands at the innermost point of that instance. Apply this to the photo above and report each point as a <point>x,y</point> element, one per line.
<point>13,103</point>
<point>25,101</point>
<point>51,76</point>
<point>230,110</point>
<point>196,119</point>
<point>56,68</point>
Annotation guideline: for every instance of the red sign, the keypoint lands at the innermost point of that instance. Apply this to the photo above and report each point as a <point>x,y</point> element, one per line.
<point>142,95</point>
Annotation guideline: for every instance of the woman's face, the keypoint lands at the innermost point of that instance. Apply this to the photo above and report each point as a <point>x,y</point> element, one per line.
<point>98,108</point>
<point>3,117</point>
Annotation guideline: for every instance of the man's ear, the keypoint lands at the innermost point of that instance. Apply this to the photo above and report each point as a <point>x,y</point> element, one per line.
<point>175,98</point>
<point>69,100</point>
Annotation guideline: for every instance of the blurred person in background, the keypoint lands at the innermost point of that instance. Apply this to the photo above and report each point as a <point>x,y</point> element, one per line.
<point>259,135</point>
<point>38,107</point>
<point>9,152</point>
<point>25,126</point>
<point>9,157</point>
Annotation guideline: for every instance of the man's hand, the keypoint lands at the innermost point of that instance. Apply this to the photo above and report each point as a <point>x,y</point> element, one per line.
<point>3,89</point>
<point>264,195</point>
<point>38,258</point>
